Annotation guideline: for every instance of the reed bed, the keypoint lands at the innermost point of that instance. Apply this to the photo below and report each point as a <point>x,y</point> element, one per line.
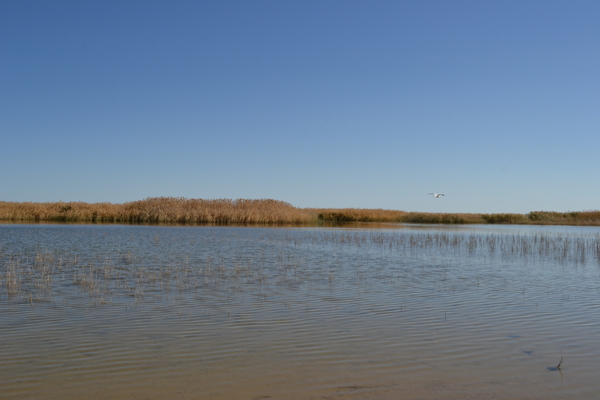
<point>532,218</point>
<point>443,218</point>
<point>160,210</point>
<point>357,215</point>
<point>591,217</point>
<point>265,211</point>
<point>381,215</point>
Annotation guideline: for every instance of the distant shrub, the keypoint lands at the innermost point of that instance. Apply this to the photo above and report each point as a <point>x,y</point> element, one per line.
<point>568,218</point>
<point>443,218</point>
<point>505,218</point>
<point>357,214</point>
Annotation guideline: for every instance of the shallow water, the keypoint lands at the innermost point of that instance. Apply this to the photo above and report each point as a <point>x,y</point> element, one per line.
<point>380,311</point>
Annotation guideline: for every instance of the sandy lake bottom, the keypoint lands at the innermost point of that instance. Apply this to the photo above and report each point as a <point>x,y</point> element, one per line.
<point>394,312</point>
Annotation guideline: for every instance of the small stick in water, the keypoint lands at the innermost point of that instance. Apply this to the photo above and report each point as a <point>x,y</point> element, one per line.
<point>560,362</point>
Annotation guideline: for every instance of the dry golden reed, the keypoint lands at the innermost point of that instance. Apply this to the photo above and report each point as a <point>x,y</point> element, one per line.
<point>160,210</point>
<point>379,215</point>
<point>264,211</point>
<point>357,214</point>
<point>443,218</point>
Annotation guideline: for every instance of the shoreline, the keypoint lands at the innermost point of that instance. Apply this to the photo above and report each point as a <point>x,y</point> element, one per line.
<point>264,212</point>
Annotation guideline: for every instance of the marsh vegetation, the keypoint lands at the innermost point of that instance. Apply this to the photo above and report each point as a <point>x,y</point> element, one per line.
<point>121,273</point>
<point>242,211</point>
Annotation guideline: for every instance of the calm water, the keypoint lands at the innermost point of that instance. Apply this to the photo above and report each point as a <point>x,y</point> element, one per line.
<point>381,311</point>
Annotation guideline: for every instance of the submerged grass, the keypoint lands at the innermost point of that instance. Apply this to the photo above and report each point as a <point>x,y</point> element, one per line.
<point>50,275</point>
<point>263,211</point>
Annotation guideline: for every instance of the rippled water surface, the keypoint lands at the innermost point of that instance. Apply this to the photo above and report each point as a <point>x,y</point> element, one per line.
<point>381,311</point>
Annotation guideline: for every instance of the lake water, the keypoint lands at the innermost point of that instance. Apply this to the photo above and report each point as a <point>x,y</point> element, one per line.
<point>376,311</point>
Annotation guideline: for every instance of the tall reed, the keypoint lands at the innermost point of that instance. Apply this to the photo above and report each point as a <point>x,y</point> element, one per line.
<point>357,214</point>
<point>160,210</point>
<point>264,211</point>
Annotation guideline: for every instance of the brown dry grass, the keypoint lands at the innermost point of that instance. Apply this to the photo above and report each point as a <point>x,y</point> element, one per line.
<point>357,214</point>
<point>379,215</point>
<point>266,211</point>
<point>591,217</point>
<point>160,210</point>
<point>443,218</point>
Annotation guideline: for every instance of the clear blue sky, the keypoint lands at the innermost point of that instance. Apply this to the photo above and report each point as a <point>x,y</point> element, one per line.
<point>369,104</point>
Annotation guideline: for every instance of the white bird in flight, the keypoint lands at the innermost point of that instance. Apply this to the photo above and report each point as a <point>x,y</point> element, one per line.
<point>438,195</point>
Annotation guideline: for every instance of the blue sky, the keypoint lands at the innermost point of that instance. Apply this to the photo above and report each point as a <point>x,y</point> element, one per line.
<point>317,103</point>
